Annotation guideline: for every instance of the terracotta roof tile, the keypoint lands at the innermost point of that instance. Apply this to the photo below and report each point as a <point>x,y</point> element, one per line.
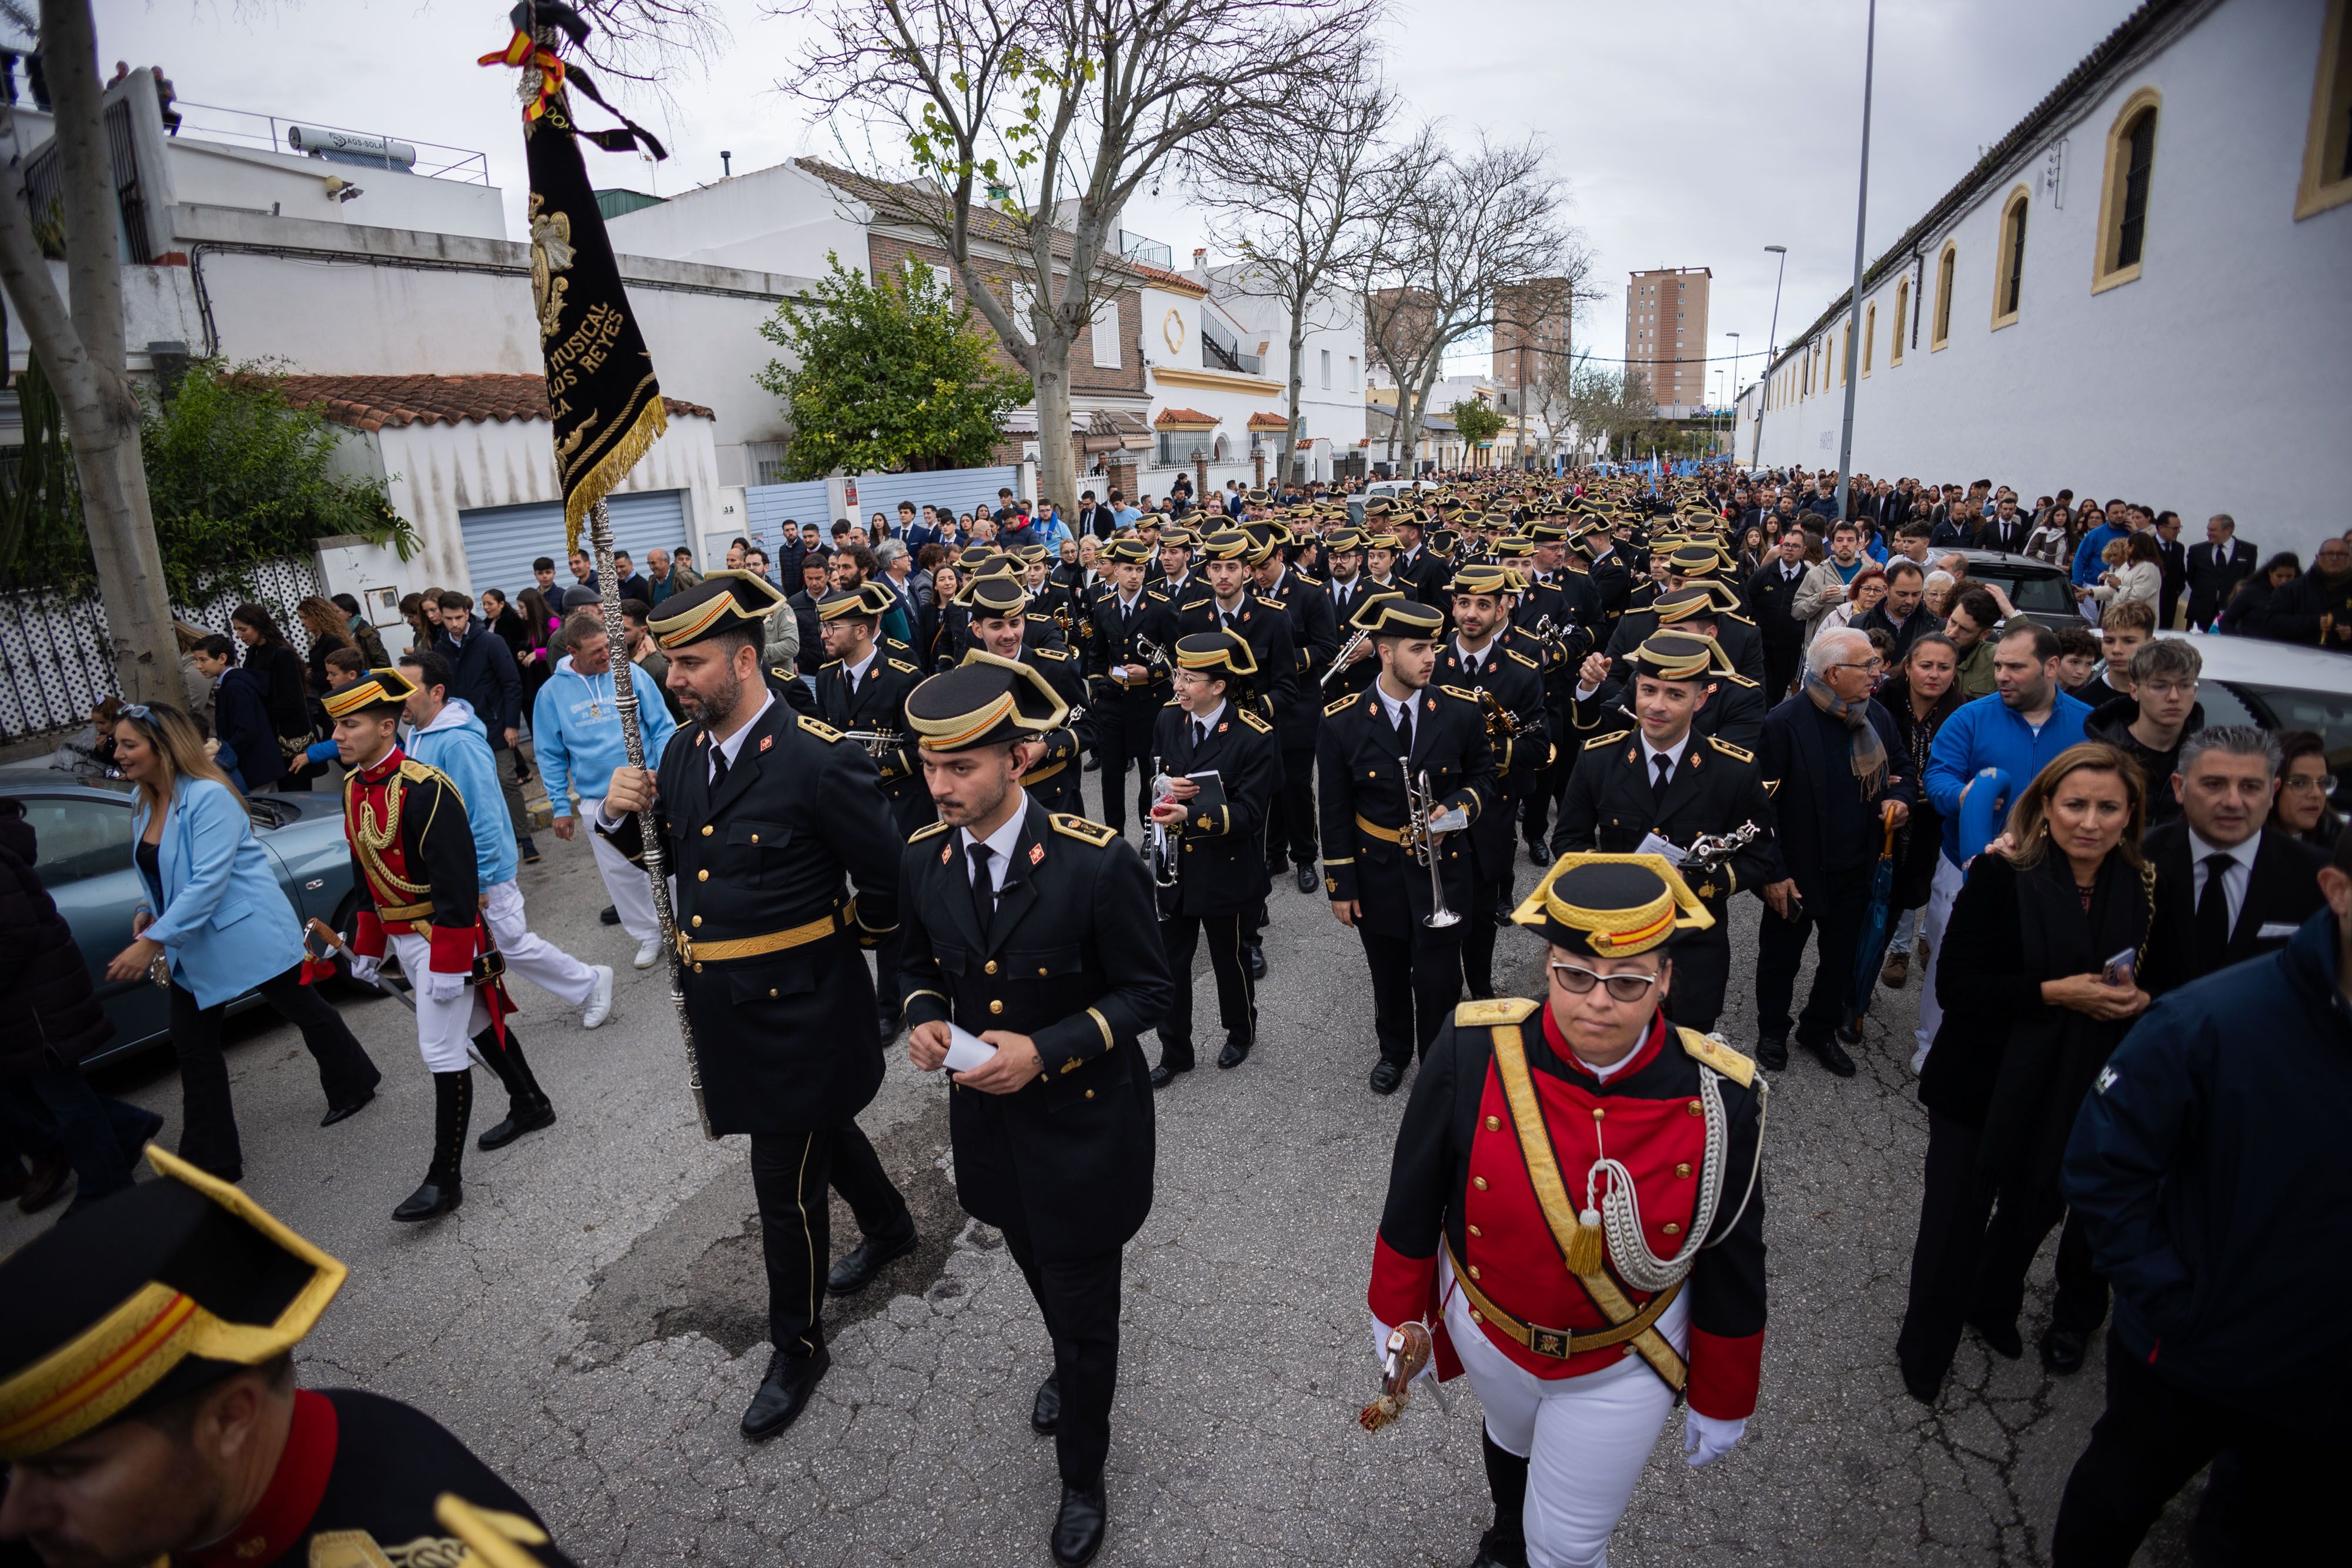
<point>1185,416</point>
<point>1263,421</point>
<point>372,402</point>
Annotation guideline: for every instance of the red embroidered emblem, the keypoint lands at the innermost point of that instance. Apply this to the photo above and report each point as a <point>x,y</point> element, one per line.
<point>1221,730</point>
<point>766,741</point>
<point>945,851</point>
<point>1036,854</point>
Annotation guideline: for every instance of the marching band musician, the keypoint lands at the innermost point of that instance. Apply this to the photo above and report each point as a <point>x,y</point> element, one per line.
<point>1479,658</point>
<point>1348,587</point>
<point>1315,640</point>
<point>1127,687</point>
<point>1035,931</point>
<point>413,872</point>
<point>1218,865</point>
<point>1657,788</point>
<point>1735,707</point>
<point>862,686</point>
<point>1000,620</point>
<point>763,812</point>
<point>1375,746</point>
<point>1583,1130</point>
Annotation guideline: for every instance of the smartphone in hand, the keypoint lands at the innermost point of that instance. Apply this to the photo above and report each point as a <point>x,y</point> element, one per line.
<point>2117,970</point>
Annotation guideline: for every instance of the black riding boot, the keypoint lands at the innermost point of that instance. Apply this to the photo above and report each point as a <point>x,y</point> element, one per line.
<point>452,1107</point>
<point>1505,1545</point>
<point>528,1109</point>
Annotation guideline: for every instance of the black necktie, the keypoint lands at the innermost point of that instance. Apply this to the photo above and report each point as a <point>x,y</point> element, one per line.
<point>1404,730</point>
<point>1200,733</point>
<point>2213,911</point>
<point>1666,772</point>
<point>718,767</point>
<point>1470,669</point>
<point>983,891</point>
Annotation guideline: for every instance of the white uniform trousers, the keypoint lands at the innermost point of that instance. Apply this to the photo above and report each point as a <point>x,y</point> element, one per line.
<point>531,955</point>
<point>1585,1438</point>
<point>632,894</point>
<point>1940,893</point>
<point>443,1029</point>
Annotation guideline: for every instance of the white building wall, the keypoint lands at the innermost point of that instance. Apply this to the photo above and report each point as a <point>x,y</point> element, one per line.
<point>2217,381</point>
<point>778,219</point>
<point>209,173</point>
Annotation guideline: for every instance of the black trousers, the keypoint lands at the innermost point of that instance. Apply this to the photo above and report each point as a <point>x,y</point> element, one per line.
<point>1702,969</point>
<point>1536,811</point>
<point>790,1174</point>
<point>1478,929</point>
<point>1116,757</point>
<point>1290,815</point>
<point>1836,915</point>
<point>2154,1436</point>
<point>1236,1006</point>
<point>208,1137</point>
<point>1963,1267</point>
<point>1416,980</point>
<point>1780,669</point>
<point>1078,1298</point>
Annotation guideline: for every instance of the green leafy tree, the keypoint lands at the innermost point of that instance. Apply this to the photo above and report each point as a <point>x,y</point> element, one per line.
<point>886,376</point>
<point>1477,422</point>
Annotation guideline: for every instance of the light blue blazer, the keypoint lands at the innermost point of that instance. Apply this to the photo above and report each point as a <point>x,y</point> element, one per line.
<point>220,914</point>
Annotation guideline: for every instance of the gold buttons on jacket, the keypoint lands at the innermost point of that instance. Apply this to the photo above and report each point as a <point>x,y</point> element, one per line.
<point>706,830</point>
<point>698,968</point>
<point>1090,1093</point>
<point>703,875</point>
<point>1696,1109</point>
<point>1597,1112</point>
<point>772,996</point>
<point>996,1007</point>
<point>1041,974</point>
<point>1671,1228</point>
<point>697,920</point>
<point>988,968</point>
<point>1493,1123</point>
<point>1682,1170</point>
<point>755,837</point>
<point>1475,1231</point>
<point>1477,1316</point>
<point>1474,1271</point>
<point>1478,1182</point>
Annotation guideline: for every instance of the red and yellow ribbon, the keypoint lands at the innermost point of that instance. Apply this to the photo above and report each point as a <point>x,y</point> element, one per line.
<point>523,51</point>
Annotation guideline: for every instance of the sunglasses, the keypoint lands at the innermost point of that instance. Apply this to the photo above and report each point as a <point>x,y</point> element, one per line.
<point>1580,980</point>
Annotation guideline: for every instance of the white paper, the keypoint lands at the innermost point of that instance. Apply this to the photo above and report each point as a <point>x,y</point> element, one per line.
<point>1651,844</point>
<point>2272,929</point>
<point>967,1050</point>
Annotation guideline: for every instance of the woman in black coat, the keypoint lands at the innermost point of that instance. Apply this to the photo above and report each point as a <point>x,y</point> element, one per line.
<point>54,1021</point>
<point>2251,603</point>
<point>2028,1023</point>
<point>1920,696</point>
<point>270,655</point>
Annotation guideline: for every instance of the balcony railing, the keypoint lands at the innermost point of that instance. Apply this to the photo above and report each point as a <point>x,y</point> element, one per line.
<point>331,144</point>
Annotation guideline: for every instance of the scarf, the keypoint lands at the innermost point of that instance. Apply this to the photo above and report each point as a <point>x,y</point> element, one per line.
<point>1869,760</point>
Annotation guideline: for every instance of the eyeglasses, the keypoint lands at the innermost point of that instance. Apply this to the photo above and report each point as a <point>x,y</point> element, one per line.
<point>1621,987</point>
<point>2304,783</point>
<point>1871,664</point>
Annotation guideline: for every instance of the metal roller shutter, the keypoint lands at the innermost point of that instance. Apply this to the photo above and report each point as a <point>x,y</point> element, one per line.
<point>965,489</point>
<point>769,507</point>
<point>502,541</point>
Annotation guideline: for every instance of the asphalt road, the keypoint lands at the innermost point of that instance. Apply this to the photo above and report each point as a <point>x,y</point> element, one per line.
<point>592,1320</point>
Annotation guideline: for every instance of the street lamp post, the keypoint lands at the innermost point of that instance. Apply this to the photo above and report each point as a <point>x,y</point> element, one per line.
<point>1771,347</point>
<point>1734,444</point>
<point>1853,301</point>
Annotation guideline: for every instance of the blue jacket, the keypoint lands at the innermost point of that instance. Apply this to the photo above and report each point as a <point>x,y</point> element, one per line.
<point>2208,1167</point>
<point>455,743</point>
<point>483,672</point>
<point>1986,734</point>
<point>222,917</point>
<point>576,731</point>
<point>2087,564</point>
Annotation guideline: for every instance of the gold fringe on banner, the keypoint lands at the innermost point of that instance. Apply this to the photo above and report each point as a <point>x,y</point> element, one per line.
<point>612,469</point>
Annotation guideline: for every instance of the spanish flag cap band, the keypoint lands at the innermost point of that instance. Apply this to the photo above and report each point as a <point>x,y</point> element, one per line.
<point>1612,906</point>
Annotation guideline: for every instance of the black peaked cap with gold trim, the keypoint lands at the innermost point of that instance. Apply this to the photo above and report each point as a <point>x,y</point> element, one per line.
<point>867,600</point>
<point>151,1294</point>
<point>1678,656</point>
<point>997,598</point>
<point>376,689</point>
<point>1484,577</point>
<point>1219,655</point>
<point>1395,616</point>
<point>722,601</point>
<point>1612,906</point>
<point>1227,544</point>
<point>1127,552</point>
<point>984,701</point>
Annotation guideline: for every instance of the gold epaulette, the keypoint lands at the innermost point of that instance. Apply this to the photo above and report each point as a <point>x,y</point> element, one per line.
<point>1077,827</point>
<point>829,664</point>
<point>1153,593</point>
<point>1335,707</point>
<point>1734,675</point>
<point>817,728</point>
<point>1487,1014</point>
<point>902,665</point>
<point>1739,1068</point>
<point>1464,693</point>
<point>1734,615</point>
<point>1740,753</point>
<point>1522,658</point>
<point>1053,652</point>
<point>1254,722</point>
<point>926,831</point>
<point>417,772</point>
<point>1610,740</point>
<point>781,673</point>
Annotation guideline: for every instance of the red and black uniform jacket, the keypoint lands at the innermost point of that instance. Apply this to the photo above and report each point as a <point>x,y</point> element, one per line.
<point>432,853</point>
<point>1458,1176</point>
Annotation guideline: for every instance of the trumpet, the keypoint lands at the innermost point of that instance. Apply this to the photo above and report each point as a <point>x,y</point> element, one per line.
<point>1166,865</point>
<point>1418,841</point>
<point>1501,722</point>
<point>879,743</point>
<point>1153,658</point>
<point>1710,851</point>
<point>1347,652</point>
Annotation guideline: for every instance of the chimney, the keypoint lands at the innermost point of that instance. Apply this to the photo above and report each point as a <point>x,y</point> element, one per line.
<point>726,165</point>
<point>1200,258</point>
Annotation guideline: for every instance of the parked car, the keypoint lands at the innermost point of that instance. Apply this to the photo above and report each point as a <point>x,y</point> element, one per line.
<point>2279,686</point>
<point>83,823</point>
<point>2038,590</point>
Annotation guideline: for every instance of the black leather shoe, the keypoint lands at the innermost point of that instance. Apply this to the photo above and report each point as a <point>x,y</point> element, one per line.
<point>1254,953</point>
<point>1078,1528</point>
<point>1538,855</point>
<point>1849,1034</point>
<point>1045,1412</point>
<point>519,1119</point>
<point>1165,1073</point>
<point>1926,1390</point>
<point>430,1201</point>
<point>2062,1349</point>
<point>783,1393</point>
<point>1306,878</point>
<point>857,1268</point>
<point>340,1113</point>
<point>1386,1076</point>
<point>1832,1056</point>
<point>1235,1054</point>
<point>1094,765</point>
<point>1274,869</point>
<point>610,915</point>
<point>2001,1339</point>
<point>1772,1053</point>
<point>1493,1552</point>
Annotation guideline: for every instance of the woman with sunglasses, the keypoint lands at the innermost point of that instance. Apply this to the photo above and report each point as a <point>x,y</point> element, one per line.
<point>214,909</point>
<point>1585,1127</point>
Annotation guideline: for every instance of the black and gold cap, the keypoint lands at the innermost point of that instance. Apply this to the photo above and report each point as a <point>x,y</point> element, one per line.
<point>1395,616</point>
<point>1484,577</point>
<point>378,688</point>
<point>1257,498</point>
<point>1127,552</point>
<point>998,598</point>
<point>1696,561</point>
<point>1178,537</point>
<point>722,601</point>
<point>1382,541</point>
<point>1444,543</point>
<point>866,601</point>
<point>1377,506</point>
<point>1695,601</point>
<point>1219,654</point>
<point>984,701</point>
<point>1612,906</point>
<point>147,1296</point>
<point>1678,656</point>
<point>1513,546</point>
<point>1227,544</point>
<point>1343,538</point>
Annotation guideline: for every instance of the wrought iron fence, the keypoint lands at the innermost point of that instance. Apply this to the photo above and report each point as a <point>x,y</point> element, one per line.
<point>56,661</point>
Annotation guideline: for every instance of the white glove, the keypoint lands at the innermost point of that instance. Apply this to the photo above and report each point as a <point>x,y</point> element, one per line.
<point>1651,844</point>
<point>441,988</point>
<point>1452,820</point>
<point>367,971</point>
<point>1706,1439</point>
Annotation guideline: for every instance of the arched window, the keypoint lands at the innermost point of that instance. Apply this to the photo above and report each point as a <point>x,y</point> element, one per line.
<point>1902,314</point>
<point>1219,451</point>
<point>2009,259</point>
<point>1869,335</point>
<point>1947,271</point>
<point>2123,192</point>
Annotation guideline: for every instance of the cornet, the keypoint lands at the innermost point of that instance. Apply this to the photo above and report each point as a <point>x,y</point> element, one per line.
<point>1418,841</point>
<point>1347,652</point>
<point>879,743</point>
<point>1166,865</point>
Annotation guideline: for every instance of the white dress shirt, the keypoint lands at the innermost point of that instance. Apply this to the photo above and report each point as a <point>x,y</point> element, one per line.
<point>2235,876</point>
<point>1673,754</point>
<point>1001,843</point>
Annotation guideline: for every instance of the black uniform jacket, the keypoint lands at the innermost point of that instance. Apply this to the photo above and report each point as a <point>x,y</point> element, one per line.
<point>1054,781</point>
<point>1220,867</point>
<point>878,702</point>
<point>1124,714</point>
<point>1459,1177</point>
<point>1737,636</point>
<point>1716,788</point>
<point>1264,625</point>
<point>358,1483</point>
<point>1515,680</point>
<point>1360,791</point>
<point>786,1037</point>
<point>1315,640</point>
<point>1073,959</point>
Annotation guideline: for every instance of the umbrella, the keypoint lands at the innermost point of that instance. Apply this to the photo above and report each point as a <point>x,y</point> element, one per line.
<point>1870,953</point>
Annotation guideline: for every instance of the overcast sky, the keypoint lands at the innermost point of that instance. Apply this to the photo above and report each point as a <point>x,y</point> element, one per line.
<point>1691,135</point>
